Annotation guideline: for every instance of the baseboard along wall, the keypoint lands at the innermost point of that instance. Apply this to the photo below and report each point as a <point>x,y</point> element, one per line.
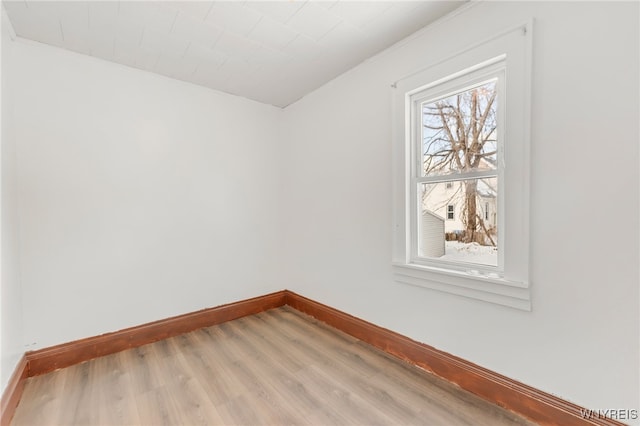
<point>13,391</point>
<point>541,407</point>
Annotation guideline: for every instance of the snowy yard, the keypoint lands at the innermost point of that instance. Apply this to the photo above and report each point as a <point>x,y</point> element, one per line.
<point>470,252</point>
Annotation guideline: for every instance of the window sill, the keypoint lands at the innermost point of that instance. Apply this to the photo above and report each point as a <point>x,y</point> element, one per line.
<point>514,294</point>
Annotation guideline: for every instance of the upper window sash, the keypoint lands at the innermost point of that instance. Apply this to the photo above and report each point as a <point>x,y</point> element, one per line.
<point>490,70</point>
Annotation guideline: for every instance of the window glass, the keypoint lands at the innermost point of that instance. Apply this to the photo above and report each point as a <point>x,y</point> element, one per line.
<point>471,236</point>
<point>459,131</point>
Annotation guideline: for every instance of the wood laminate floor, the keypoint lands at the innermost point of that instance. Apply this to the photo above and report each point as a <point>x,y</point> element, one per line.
<point>279,367</point>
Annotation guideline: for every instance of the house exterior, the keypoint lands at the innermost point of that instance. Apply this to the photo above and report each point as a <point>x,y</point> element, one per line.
<point>447,200</point>
<point>432,235</point>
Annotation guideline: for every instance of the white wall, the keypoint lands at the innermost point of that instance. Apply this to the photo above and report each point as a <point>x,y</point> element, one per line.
<point>581,339</point>
<point>141,197</point>
<point>11,337</point>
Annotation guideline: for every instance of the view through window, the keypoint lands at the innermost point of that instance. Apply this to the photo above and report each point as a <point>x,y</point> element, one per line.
<point>459,168</point>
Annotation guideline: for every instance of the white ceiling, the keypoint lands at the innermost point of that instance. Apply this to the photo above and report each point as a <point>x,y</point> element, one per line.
<point>273,52</point>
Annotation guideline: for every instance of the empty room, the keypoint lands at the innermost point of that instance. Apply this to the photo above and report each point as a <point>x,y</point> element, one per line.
<point>320,212</point>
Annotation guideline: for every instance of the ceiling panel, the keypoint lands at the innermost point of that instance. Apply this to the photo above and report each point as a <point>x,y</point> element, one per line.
<point>303,48</point>
<point>161,19</point>
<point>36,23</point>
<point>234,17</point>
<point>270,51</point>
<point>272,33</point>
<point>136,11</point>
<point>345,37</point>
<point>281,11</point>
<point>353,13</point>
<point>102,17</point>
<point>205,35</point>
<point>196,9</point>
<point>128,31</point>
<point>234,45</point>
<point>185,26</point>
<point>313,21</point>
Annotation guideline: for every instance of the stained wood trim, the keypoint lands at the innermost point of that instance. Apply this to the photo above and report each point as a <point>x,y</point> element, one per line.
<point>541,407</point>
<point>13,391</point>
<point>67,354</point>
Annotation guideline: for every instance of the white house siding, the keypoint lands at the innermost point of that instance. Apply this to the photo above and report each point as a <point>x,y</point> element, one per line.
<point>432,244</point>
<point>439,197</point>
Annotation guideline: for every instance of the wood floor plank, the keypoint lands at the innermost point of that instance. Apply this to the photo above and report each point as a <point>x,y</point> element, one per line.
<point>157,407</point>
<point>262,377</point>
<point>78,406</point>
<point>340,404</point>
<point>115,399</point>
<point>144,368</point>
<point>273,368</point>
<point>212,370</point>
<point>40,400</point>
<point>349,365</point>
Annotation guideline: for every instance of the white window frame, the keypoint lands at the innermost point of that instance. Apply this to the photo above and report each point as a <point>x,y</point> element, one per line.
<point>493,69</point>
<point>509,55</point>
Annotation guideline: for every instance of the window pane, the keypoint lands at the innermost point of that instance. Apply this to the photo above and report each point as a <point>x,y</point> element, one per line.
<point>461,223</point>
<point>459,132</point>
<point>450,212</point>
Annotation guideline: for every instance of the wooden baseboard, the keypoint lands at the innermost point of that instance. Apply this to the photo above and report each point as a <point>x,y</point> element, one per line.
<point>13,391</point>
<point>541,407</point>
<point>529,402</point>
<point>67,354</point>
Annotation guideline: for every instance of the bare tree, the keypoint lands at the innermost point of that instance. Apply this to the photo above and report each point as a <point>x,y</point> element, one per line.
<point>460,136</point>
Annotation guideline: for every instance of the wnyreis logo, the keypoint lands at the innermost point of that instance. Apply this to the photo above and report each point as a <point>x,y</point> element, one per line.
<point>613,414</point>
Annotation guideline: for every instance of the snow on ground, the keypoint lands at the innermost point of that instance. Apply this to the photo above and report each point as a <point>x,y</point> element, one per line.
<point>470,252</point>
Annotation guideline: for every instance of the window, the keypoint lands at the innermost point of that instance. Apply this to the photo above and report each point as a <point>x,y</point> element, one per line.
<point>450,212</point>
<point>454,139</point>
<point>461,139</point>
